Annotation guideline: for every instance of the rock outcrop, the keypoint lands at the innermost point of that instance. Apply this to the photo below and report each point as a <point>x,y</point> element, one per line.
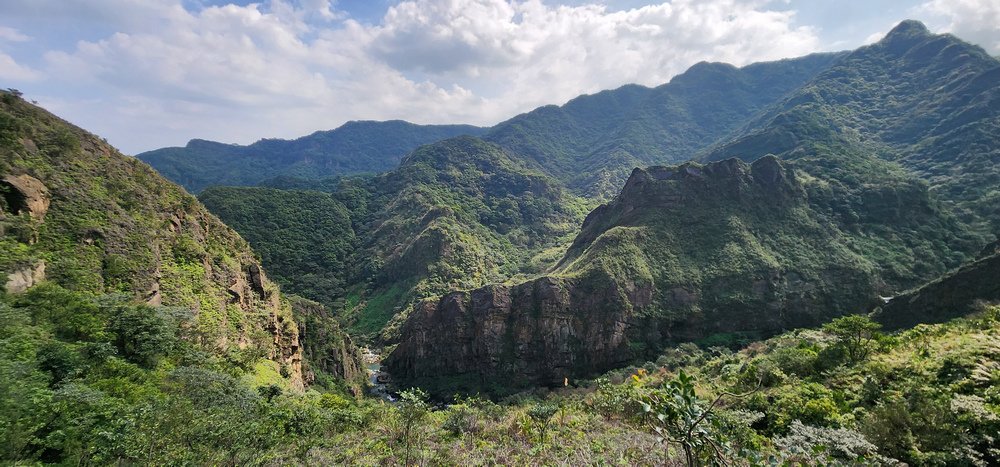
<point>683,253</point>
<point>326,347</point>
<point>23,279</point>
<point>26,194</point>
<point>951,296</point>
<point>79,213</point>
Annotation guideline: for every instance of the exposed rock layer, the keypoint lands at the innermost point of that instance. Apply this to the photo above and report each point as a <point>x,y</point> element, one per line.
<point>682,253</point>
<point>112,225</point>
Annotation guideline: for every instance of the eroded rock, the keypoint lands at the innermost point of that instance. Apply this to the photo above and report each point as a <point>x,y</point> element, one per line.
<point>23,279</point>
<point>26,194</point>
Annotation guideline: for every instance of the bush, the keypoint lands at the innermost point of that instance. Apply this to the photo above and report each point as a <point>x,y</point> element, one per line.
<point>460,419</point>
<point>143,334</point>
<point>799,361</point>
<point>541,414</point>
<point>855,334</point>
<point>840,444</point>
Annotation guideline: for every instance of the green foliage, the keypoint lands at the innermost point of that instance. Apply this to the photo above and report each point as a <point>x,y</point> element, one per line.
<point>413,407</point>
<point>856,333</point>
<point>304,238</point>
<point>461,419</point>
<point>541,414</point>
<point>680,417</point>
<point>146,334</point>
<point>355,147</point>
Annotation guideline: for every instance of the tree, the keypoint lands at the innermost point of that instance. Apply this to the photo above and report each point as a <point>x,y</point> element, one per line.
<point>855,333</point>
<point>679,416</point>
<point>542,414</point>
<point>413,407</point>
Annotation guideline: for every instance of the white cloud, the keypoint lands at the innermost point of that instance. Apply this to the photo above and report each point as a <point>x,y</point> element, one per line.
<point>12,35</point>
<point>10,70</point>
<point>238,73</point>
<point>976,21</point>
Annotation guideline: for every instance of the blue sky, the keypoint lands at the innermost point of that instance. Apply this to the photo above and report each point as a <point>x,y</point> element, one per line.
<point>153,73</point>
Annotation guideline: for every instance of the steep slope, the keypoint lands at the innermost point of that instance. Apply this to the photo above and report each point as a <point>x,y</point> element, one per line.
<point>456,214</point>
<point>929,102</point>
<point>682,253</point>
<point>950,296</point>
<point>355,147</point>
<point>592,142</point>
<point>330,357</point>
<point>78,214</point>
<point>303,237</point>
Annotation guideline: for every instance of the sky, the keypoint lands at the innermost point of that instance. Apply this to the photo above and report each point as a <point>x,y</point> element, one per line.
<point>153,73</point>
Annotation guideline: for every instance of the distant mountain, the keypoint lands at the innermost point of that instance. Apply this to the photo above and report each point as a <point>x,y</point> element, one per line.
<point>356,147</point>
<point>930,103</point>
<point>592,142</point>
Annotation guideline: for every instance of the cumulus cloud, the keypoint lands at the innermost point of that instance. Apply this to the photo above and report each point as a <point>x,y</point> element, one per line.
<point>12,35</point>
<point>169,72</point>
<point>10,70</point>
<point>977,21</point>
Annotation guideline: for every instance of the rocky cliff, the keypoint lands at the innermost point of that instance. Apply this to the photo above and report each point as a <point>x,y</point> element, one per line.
<point>328,350</point>
<point>682,253</point>
<point>77,212</point>
<point>955,294</point>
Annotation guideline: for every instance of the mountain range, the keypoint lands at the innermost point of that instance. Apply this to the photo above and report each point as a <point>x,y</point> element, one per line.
<point>730,207</point>
<point>500,208</point>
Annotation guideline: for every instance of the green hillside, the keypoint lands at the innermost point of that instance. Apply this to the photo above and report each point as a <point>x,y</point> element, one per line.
<point>355,147</point>
<point>304,237</point>
<point>137,327</point>
<point>684,253</point>
<point>927,102</point>
<point>592,142</point>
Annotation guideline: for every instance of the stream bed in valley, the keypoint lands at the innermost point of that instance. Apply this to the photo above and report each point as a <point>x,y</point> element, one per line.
<point>379,381</point>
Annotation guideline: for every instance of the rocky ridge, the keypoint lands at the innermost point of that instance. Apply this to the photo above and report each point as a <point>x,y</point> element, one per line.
<point>634,280</point>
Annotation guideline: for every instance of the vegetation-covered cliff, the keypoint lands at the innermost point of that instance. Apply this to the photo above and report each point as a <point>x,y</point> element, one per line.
<point>126,302</point>
<point>683,253</point>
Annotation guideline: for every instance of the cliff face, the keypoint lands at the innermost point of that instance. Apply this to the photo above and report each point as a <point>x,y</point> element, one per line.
<point>682,253</point>
<point>77,212</point>
<point>536,332</point>
<point>951,296</point>
<point>327,349</point>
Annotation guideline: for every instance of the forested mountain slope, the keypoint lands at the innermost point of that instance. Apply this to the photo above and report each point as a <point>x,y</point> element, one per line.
<point>929,102</point>
<point>128,308</point>
<point>355,147</point>
<point>683,253</point>
<point>456,214</point>
<point>592,142</point>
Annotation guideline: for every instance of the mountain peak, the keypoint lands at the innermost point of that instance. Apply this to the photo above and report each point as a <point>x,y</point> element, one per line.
<point>906,35</point>
<point>909,27</point>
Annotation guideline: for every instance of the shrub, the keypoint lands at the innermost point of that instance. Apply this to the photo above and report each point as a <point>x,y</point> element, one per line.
<point>460,419</point>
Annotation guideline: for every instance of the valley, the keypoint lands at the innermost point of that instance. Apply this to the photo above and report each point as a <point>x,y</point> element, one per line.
<point>792,260</point>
